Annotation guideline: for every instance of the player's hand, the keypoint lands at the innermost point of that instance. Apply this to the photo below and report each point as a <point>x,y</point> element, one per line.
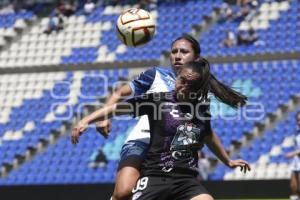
<point>240,163</point>
<point>104,127</point>
<point>78,130</point>
<point>290,155</point>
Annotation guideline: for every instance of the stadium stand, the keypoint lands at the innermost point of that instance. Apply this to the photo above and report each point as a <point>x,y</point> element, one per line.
<point>92,38</point>
<point>275,23</point>
<point>245,76</point>
<point>34,105</point>
<point>27,116</point>
<point>267,153</point>
<point>9,25</point>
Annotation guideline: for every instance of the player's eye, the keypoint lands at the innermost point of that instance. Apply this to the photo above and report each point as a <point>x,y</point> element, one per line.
<point>185,51</point>
<point>174,51</point>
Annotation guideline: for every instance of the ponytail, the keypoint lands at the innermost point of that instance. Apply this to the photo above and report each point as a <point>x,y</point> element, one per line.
<point>226,94</point>
<point>209,83</point>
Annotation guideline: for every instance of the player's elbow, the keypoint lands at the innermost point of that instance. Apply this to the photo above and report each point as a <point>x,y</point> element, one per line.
<point>124,91</point>
<point>123,193</point>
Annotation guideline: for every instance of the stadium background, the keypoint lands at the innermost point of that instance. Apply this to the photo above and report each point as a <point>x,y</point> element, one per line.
<point>48,81</point>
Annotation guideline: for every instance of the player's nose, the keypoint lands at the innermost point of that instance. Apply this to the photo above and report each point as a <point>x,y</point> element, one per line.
<point>178,56</point>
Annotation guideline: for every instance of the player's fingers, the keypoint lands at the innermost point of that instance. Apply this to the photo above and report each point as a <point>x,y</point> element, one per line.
<point>242,167</point>
<point>106,135</point>
<point>106,130</point>
<point>103,127</point>
<point>109,128</point>
<point>73,139</point>
<point>102,130</point>
<point>243,162</point>
<point>75,135</point>
<point>81,130</point>
<point>248,167</point>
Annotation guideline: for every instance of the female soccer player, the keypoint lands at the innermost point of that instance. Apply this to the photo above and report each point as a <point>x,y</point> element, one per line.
<point>158,79</point>
<point>179,125</point>
<point>295,178</point>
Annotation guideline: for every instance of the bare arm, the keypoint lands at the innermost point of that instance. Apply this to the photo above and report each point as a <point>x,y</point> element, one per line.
<point>104,126</point>
<point>293,153</point>
<point>214,144</point>
<point>123,91</point>
<point>103,113</point>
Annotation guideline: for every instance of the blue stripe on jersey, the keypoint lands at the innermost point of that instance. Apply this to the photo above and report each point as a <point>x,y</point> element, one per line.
<point>168,76</point>
<point>143,83</point>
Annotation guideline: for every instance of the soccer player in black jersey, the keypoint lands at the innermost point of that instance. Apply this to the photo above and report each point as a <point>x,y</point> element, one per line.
<point>179,125</point>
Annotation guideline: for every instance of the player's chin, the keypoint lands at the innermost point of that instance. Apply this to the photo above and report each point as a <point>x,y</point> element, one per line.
<point>177,68</point>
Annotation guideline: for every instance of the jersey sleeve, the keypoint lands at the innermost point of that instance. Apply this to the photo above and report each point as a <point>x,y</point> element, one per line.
<point>142,105</point>
<point>143,82</point>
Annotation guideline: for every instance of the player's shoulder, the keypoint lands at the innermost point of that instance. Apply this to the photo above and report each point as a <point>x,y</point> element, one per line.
<point>164,70</point>
<point>166,74</point>
<point>148,74</point>
<point>160,69</point>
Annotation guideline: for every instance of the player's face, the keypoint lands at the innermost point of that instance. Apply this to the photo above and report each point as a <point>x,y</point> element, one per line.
<point>181,53</point>
<point>186,84</point>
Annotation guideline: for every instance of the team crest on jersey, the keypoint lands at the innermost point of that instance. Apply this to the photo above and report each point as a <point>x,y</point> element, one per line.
<point>186,135</point>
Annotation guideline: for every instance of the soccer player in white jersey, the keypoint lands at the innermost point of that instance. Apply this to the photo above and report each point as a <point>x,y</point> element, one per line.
<point>295,178</point>
<point>183,50</point>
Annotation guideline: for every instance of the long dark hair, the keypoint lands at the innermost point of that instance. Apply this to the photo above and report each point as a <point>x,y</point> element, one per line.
<point>195,44</point>
<point>209,83</point>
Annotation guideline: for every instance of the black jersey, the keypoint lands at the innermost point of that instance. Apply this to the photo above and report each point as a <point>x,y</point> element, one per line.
<point>177,131</point>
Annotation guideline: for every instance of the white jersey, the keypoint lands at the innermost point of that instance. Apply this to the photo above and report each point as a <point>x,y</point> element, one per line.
<point>156,79</point>
<point>296,159</point>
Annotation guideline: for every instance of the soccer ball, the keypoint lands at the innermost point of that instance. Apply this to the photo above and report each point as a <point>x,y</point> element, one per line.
<point>135,27</point>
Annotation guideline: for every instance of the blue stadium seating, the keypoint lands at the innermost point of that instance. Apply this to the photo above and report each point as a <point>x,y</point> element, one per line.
<point>281,36</point>
<point>266,83</point>
<point>263,146</point>
<point>258,80</point>
<point>167,14</point>
<point>8,20</point>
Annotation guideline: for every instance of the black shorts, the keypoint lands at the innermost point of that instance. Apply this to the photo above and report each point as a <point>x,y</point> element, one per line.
<point>167,188</point>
